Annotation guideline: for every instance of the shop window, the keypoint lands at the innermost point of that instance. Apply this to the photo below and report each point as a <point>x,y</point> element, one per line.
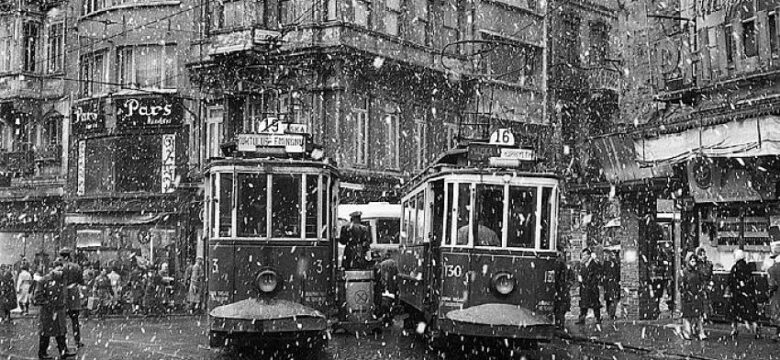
<point>133,170</point>
<point>490,215</point>
<point>522,217</point>
<point>147,66</point>
<point>749,38</point>
<point>286,206</point>
<point>252,205</point>
<point>30,45</point>
<point>93,75</point>
<point>55,48</point>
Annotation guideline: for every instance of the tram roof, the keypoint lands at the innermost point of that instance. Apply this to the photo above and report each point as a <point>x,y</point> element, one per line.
<point>470,159</point>
<point>298,162</point>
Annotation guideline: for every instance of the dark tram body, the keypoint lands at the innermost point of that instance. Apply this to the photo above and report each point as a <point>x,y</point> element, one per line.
<point>270,250</point>
<point>478,241</point>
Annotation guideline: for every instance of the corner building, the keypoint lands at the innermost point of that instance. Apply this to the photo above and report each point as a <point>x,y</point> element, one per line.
<point>131,185</point>
<point>385,86</point>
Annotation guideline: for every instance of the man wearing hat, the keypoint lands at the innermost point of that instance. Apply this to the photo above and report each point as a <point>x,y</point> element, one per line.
<point>49,296</point>
<point>354,236</point>
<point>73,279</point>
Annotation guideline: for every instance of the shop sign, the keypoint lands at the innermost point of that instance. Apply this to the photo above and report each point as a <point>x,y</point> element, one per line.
<point>518,154</point>
<point>148,112</point>
<point>168,163</point>
<point>82,168</point>
<point>88,117</point>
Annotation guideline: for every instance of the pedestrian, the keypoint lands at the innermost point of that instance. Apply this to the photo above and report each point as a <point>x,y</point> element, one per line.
<point>136,285</point>
<point>153,288</point>
<point>563,279</point>
<point>611,283</point>
<point>7,293</point>
<point>103,292</point>
<point>73,278</point>
<point>744,308</point>
<point>116,289</point>
<point>196,286</point>
<point>50,296</point>
<point>354,236</point>
<point>774,286</point>
<point>589,278</point>
<point>386,289</point>
<point>23,284</point>
<point>705,270</point>
<point>692,294</point>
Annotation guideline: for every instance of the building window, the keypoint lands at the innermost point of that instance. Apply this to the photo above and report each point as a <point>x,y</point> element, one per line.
<point>452,135</point>
<point>214,131</point>
<point>49,132</point>
<point>55,47</point>
<point>570,41</point>
<point>416,23</point>
<point>362,9</point>
<point>236,14</point>
<point>360,112</point>
<point>30,44</point>
<point>599,43</point>
<point>729,30</point>
<point>513,62</point>
<point>450,30</point>
<point>393,140</point>
<point>93,74</point>
<point>392,16</point>
<point>773,36</point>
<point>90,6</point>
<point>420,131</point>
<point>147,66</point>
<point>6,49</point>
<point>749,37</point>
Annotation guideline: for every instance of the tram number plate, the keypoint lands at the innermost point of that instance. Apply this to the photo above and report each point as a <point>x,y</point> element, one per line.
<point>453,271</point>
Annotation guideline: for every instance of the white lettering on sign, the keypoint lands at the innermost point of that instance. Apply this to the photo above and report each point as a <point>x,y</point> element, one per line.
<point>292,143</point>
<point>168,172</point>
<point>155,114</point>
<point>297,129</point>
<point>502,137</point>
<point>270,125</point>
<point>519,154</point>
<point>82,168</point>
<point>454,270</point>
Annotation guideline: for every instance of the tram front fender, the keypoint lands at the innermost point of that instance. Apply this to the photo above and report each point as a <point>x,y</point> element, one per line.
<point>266,316</point>
<point>497,320</point>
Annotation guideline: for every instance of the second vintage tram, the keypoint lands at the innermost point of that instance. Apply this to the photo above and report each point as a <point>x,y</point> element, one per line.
<point>270,260</point>
<point>478,246</point>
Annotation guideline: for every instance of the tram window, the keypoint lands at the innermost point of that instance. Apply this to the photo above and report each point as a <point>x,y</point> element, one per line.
<point>522,218</point>
<point>547,203</point>
<point>420,232</point>
<point>464,213</point>
<point>225,204</point>
<point>448,216</point>
<point>490,215</point>
<point>408,225</point>
<point>387,231</point>
<point>312,205</point>
<point>214,206</point>
<point>252,205</point>
<point>286,206</point>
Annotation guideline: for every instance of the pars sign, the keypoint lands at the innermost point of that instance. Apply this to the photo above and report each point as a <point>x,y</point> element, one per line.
<point>148,112</point>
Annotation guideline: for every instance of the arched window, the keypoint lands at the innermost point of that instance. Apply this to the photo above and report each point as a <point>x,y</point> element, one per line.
<point>49,132</point>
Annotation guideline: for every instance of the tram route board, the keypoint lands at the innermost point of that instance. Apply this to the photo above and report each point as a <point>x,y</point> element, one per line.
<point>292,143</point>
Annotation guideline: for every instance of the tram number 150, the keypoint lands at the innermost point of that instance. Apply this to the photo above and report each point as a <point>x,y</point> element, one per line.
<point>453,271</point>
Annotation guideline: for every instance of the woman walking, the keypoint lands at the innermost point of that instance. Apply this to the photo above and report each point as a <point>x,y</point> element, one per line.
<point>743,296</point>
<point>23,284</point>
<point>692,294</point>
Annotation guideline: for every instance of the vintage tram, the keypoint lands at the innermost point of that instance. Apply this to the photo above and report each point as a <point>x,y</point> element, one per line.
<point>270,218</point>
<point>478,246</point>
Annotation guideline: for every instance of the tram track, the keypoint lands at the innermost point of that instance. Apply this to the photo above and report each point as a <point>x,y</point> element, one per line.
<point>653,353</point>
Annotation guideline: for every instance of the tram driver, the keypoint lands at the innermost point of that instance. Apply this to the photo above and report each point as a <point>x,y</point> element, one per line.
<point>357,242</point>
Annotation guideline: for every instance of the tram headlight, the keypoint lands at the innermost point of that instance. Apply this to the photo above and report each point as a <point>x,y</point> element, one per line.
<point>266,281</point>
<point>504,283</point>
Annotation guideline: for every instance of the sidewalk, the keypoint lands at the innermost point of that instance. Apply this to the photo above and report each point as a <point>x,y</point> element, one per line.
<point>661,338</point>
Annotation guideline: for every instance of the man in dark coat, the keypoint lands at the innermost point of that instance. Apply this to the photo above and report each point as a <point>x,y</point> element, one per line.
<point>354,236</point>
<point>563,280</point>
<point>7,293</point>
<point>50,296</point>
<point>73,279</point>
<point>744,308</point>
<point>611,283</point>
<point>590,277</point>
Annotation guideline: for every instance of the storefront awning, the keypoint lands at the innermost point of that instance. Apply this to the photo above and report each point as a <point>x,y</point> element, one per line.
<point>618,160</point>
<point>135,219</point>
<point>759,136</point>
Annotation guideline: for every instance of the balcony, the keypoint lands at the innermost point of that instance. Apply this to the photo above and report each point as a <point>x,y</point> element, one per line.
<point>48,154</point>
<point>34,86</point>
<point>565,76</point>
<point>19,163</point>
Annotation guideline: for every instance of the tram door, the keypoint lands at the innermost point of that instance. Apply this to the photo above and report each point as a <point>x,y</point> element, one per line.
<point>434,250</point>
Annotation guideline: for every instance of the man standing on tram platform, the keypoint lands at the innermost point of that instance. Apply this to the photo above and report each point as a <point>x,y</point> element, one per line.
<point>354,236</point>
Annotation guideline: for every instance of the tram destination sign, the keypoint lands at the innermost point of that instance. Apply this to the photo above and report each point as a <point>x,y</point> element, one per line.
<point>292,143</point>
